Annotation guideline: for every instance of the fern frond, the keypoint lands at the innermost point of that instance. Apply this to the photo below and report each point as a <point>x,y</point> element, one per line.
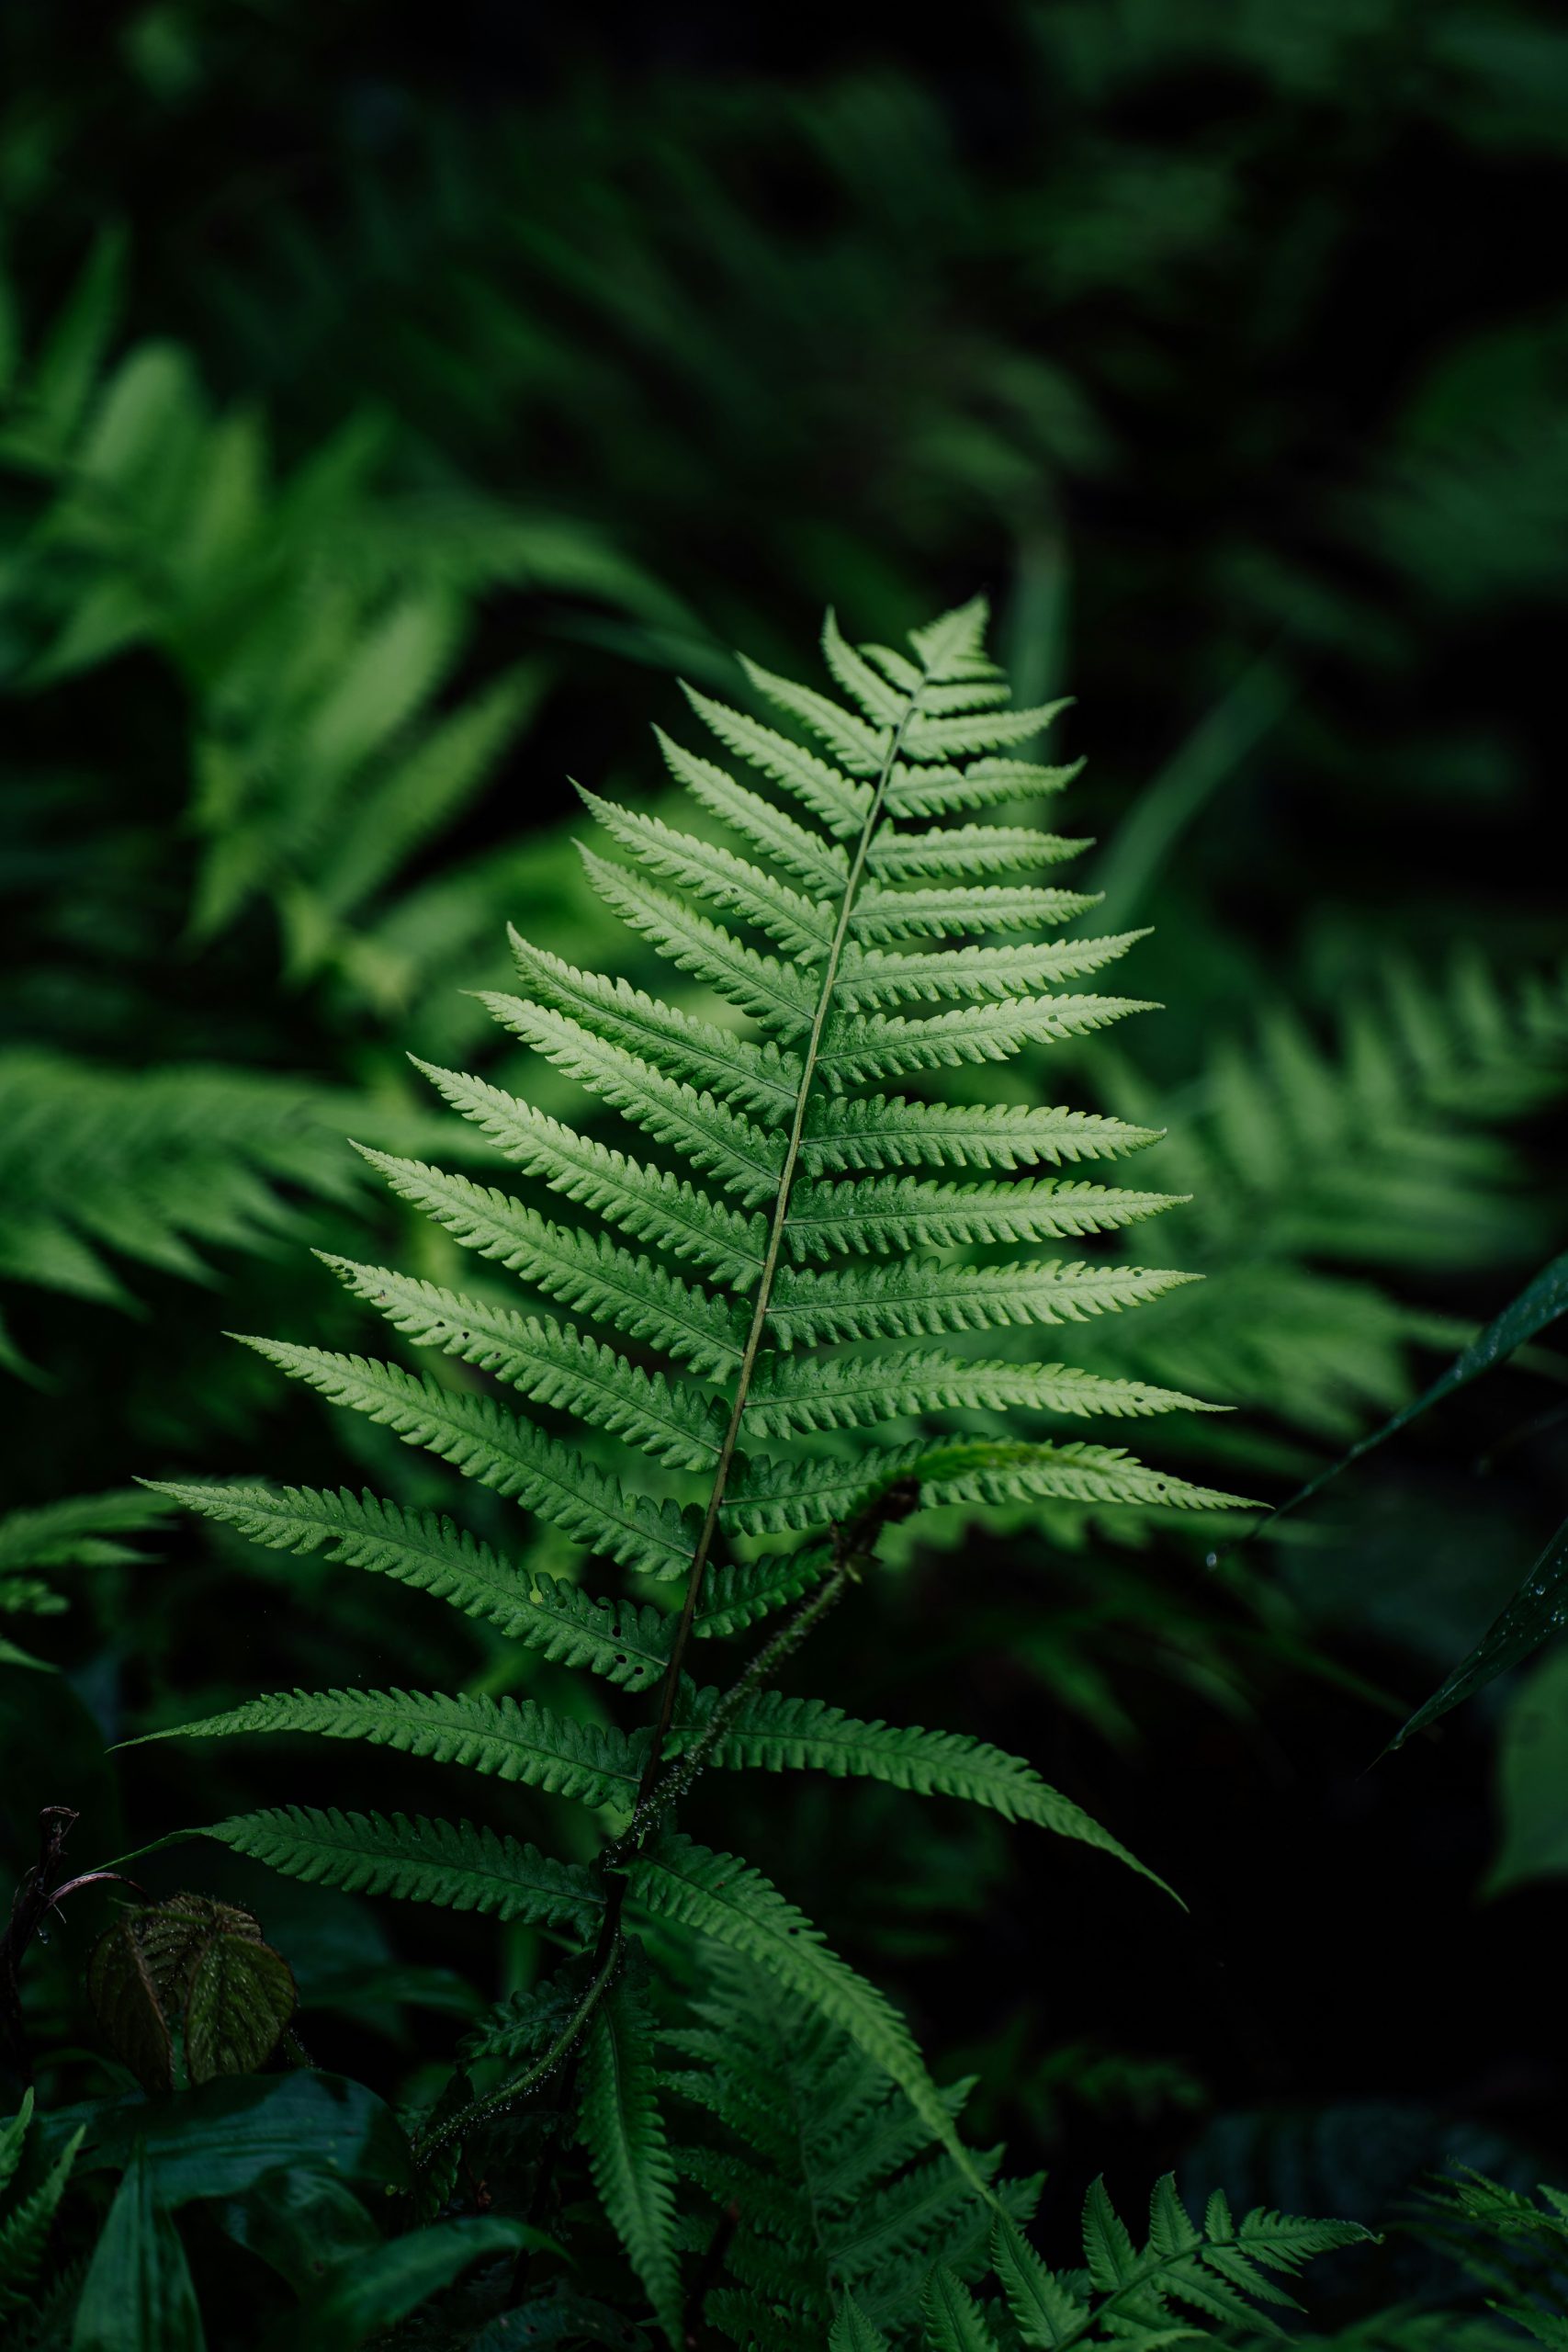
<point>875,1214</point>
<point>1142,2296</point>
<point>551,1364</point>
<point>877,975</point>
<point>24,2234</point>
<point>922,1296</point>
<point>803,855</point>
<point>953,2319</point>
<point>883,915</point>
<point>759,1076</point>
<point>956,852</point>
<point>801,927</point>
<point>935,791</point>
<point>745,1158</point>
<point>478,1437</point>
<point>842,803</point>
<point>628,2154</point>
<point>774,994</point>
<point>623,1642</point>
<point>877,1131</point>
<point>585,1272</point>
<point>804,1392</point>
<point>451,1863</point>
<point>774,1733</point>
<point>869,1046</point>
<point>647,1204</point>
<point>716,1895</point>
<point>738,1594</point>
<point>506,1739</point>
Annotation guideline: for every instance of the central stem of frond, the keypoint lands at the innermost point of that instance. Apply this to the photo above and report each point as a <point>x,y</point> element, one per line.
<point>709,1530</point>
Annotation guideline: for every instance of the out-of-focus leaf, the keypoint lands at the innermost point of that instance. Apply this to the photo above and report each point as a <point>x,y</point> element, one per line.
<point>303,2222</point>
<point>1532,1781</point>
<point>219,2139</point>
<point>378,2289</point>
<point>1537,1610</point>
<point>1543,1300</point>
<point>138,2295</point>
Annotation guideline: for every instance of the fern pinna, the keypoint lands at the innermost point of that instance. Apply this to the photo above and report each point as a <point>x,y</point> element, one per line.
<point>783,1275</point>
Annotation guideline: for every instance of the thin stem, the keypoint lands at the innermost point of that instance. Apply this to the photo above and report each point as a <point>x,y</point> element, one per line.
<point>482,2111</point>
<point>769,1264</point>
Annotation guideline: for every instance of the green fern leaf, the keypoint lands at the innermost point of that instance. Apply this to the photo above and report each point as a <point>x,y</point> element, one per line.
<point>806,1392</point>
<point>779,1734</point>
<point>879,975</point>
<point>478,1437</point>
<point>625,1643</point>
<point>922,1296</point>
<point>585,1272</point>
<point>842,805</point>
<point>883,915</point>
<point>24,2234</point>
<point>509,1740</point>
<point>868,1045</point>
<point>647,1204</point>
<point>801,927</point>
<point>745,1159</point>
<point>875,1215</point>
<point>953,2319</point>
<point>628,2152</point>
<point>928,791</point>
<point>822,866</point>
<point>873,1131</point>
<point>551,1364</point>
<point>776,995</point>
<point>852,2332</point>
<point>758,1076</point>
<point>714,1895</point>
<point>450,1863</point>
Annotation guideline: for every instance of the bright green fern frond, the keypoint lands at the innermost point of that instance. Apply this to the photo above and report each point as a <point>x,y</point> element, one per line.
<point>820,866</point>
<point>508,1739</point>
<point>478,1437</point>
<point>450,1863</point>
<point>922,1296</point>
<point>955,853</point>
<point>549,1362</point>
<point>862,1046</point>
<point>801,927</point>
<point>884,915</point>
<point>804,1392</point>
<point>875,1131</point>
<point>617,1640</point>
<point>645,1203</point>
<point>745,1158</point>
<point>757,1076</point>
<point>585,1272</point>
<point>766,1263</point>
<point>778,1734</point>
<point>874,1215</point>
<point>879,975</point>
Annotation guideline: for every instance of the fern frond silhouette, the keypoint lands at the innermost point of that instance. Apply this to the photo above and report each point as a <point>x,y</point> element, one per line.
<point>775,1280</point>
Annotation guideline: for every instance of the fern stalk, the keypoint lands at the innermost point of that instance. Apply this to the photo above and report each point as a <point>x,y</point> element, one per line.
<point>670,1684</point>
